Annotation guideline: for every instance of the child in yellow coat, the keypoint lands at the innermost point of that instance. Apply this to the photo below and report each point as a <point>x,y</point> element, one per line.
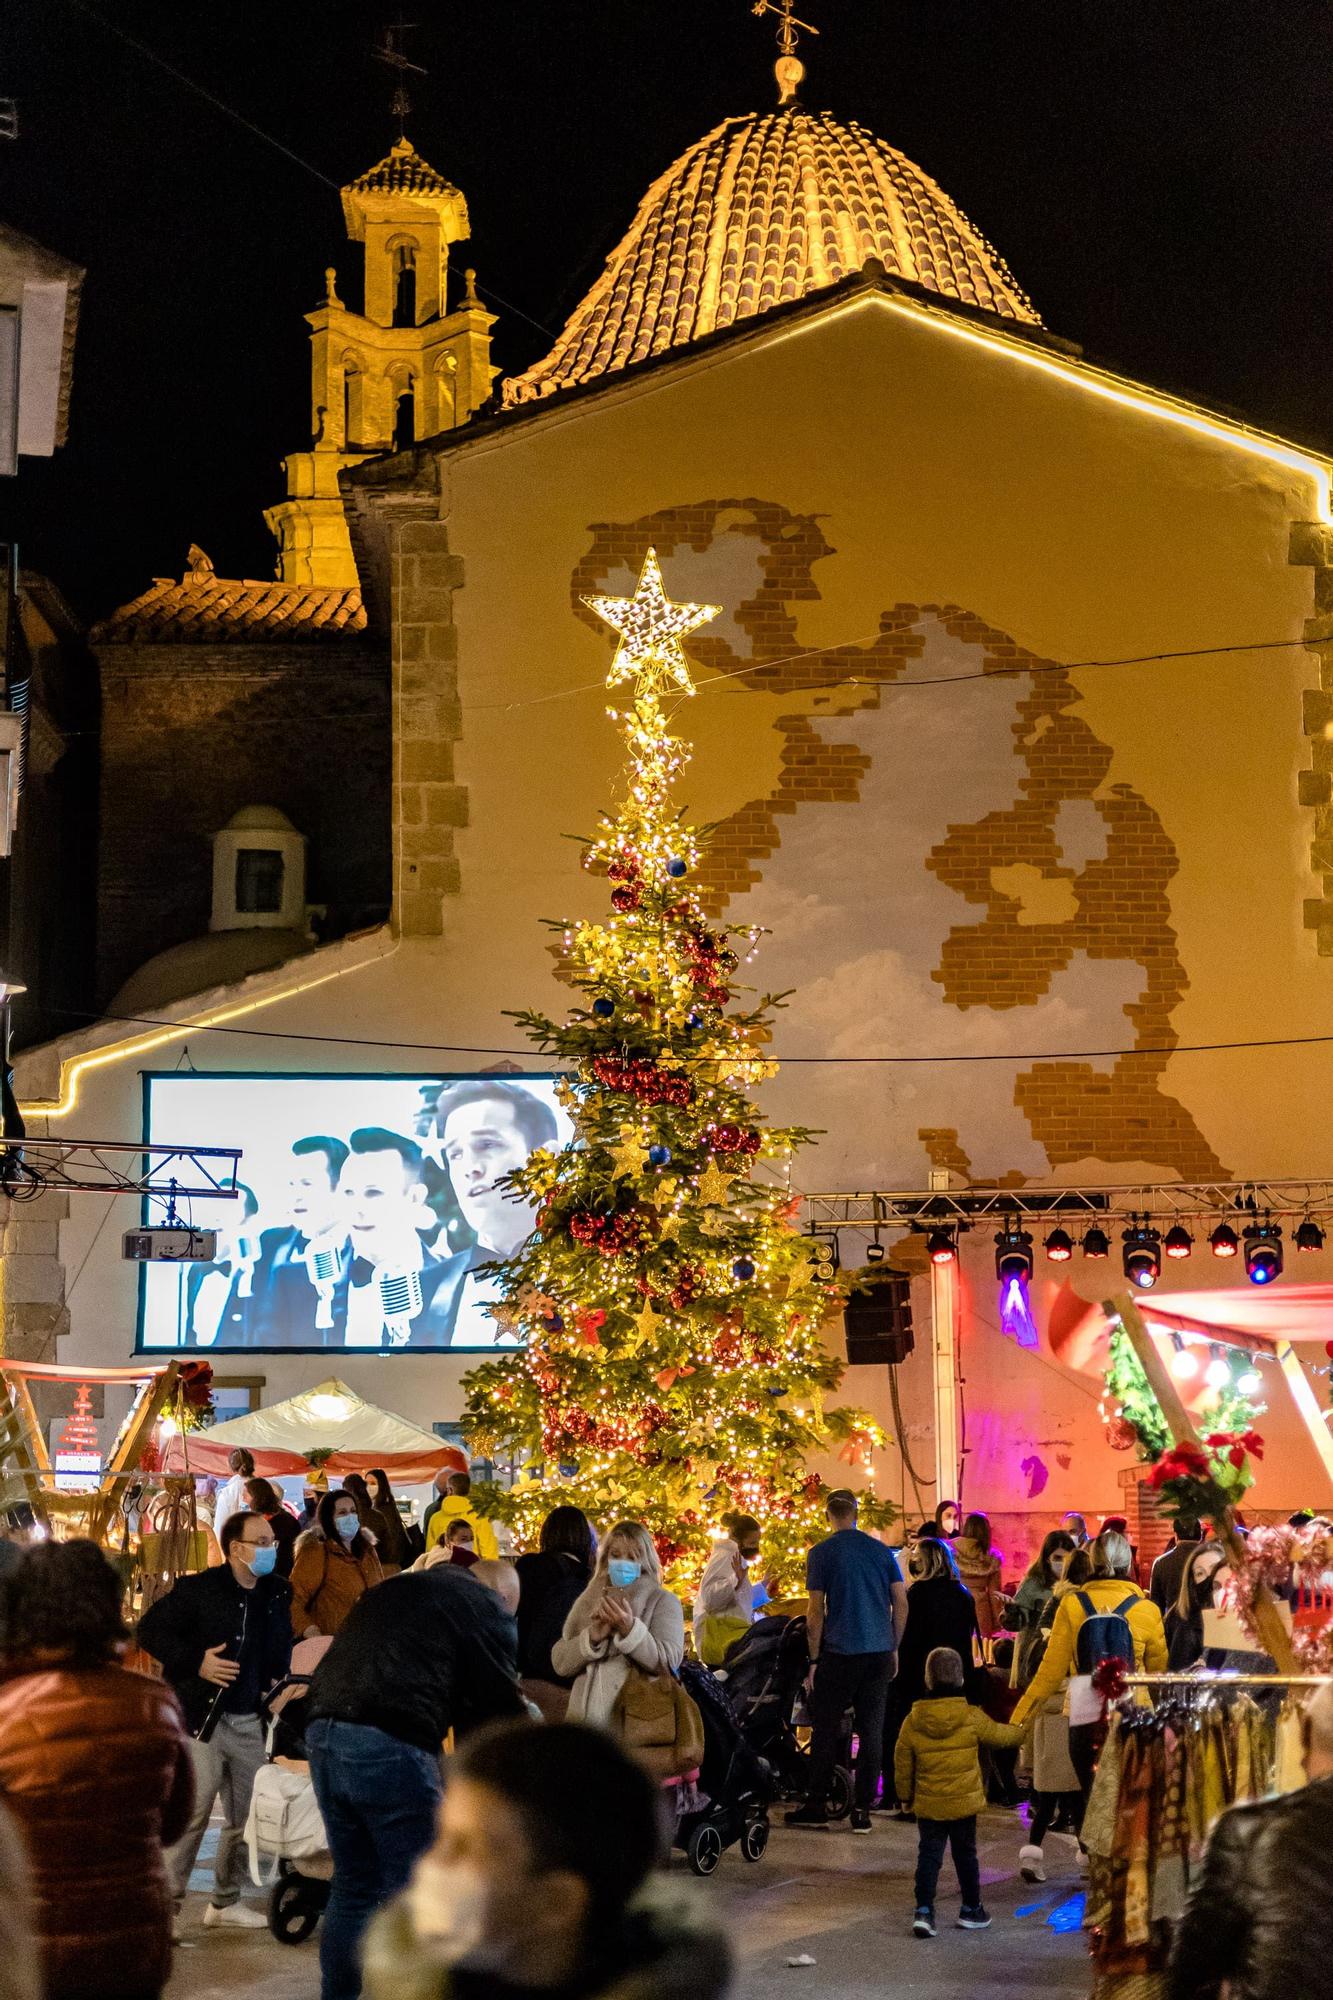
<point>937,1772</point>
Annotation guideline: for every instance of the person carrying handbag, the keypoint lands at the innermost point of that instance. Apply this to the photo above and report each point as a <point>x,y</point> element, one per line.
<point>624,1630</point>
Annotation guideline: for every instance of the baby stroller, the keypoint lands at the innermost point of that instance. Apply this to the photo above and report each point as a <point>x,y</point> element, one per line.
<point>735,1787</point>
<point>284,1824</point>
<point>764,1677</point>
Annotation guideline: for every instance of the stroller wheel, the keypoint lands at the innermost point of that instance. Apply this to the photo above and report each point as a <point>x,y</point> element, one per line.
<point>703,1849</point>
<point>294,1908</point>
<point>754,1840</point>
<point>839,1793</point>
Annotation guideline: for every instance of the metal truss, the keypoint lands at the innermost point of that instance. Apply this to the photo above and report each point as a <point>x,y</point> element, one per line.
<point>934,1208</point>
<point>29,1167</point>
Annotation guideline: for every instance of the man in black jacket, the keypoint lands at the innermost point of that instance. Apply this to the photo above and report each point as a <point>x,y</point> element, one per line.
<point>1260,1919</point>
<point>426,1652</point>
<point>223,1638</point>
<point>1168,1572</point>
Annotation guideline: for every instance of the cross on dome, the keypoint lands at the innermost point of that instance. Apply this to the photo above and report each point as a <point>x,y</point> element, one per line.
<point>789,69</point>
<point>651,628</point>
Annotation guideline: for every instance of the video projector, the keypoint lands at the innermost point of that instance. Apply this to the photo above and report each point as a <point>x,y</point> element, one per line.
<point>170,1245</point>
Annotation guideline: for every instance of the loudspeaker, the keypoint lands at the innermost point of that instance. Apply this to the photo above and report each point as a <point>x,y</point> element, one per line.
<point>878,1319</point>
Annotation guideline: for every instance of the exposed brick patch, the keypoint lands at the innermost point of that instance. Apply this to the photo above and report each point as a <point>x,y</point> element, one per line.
<point>1311,546</point>
<point>428,805</point>
<point>1121,907</point>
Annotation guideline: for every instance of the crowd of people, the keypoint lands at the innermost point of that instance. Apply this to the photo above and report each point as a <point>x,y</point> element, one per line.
<point>489,1871</point>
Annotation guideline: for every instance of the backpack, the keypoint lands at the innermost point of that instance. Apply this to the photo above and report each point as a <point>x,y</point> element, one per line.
<point>1104,1635</point>
<point>283,1822</point>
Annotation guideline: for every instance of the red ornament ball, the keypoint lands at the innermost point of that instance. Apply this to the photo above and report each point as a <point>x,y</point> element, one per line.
<point>1121,1434</point>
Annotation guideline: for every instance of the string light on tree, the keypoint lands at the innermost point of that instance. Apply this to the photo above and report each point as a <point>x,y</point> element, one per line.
<point>672,1366</point>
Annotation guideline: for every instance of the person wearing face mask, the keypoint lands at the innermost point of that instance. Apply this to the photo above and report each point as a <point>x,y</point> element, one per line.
<point>540,1882</point>
<point>332,1575</point>
<point>223,1638</point>
<point>940,1613</point>
<point>1027,1608</point>
<point>724,1602</point>
<point>625,1621</point>
<point>1198,1587</point>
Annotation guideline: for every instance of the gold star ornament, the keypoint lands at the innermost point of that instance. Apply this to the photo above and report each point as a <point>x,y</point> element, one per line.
<point>651,629</point>
<point>714,1186</point>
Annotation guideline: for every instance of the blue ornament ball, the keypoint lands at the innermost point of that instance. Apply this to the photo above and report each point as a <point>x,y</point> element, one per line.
<point>603,1008</point>
<point>659,1156</point>
<point>742,1268</point>
<point>554,1323</point>
<point>694,1022</point>
<point>676,866</point>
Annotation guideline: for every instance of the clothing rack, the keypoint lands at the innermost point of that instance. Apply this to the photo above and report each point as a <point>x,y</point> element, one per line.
<point>1223,1679</point>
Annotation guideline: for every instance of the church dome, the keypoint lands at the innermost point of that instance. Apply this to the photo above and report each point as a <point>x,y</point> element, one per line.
<point>764,210</point>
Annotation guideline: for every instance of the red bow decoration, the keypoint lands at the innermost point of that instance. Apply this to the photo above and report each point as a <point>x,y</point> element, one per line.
<point>1109,1678</point>
<point>590,1325</point>
<point>669,1375</point>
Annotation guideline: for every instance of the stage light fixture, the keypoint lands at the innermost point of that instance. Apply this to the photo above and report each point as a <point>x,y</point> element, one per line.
<point>1141,1255</point>
<point>1309,1236</point>
<point>1251,1382</point>
<point>942,1246</point>
<point>1013,1253</point>
<point>1224,1241</point>
<point>1096,1243</point>
<point>1263,1252</point>
<point>1218,1372</point>
<point>875,1251</point>
<point>1177,1242</point>
<point>1184,1363</point>
<point>1059,1246</point>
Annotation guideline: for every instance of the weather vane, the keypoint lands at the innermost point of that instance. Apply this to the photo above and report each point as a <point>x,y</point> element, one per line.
<point>789,69</point>
<point>391,53</point>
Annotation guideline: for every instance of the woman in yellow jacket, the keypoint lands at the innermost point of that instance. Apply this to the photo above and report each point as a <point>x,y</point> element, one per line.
<point>1109,1589</point>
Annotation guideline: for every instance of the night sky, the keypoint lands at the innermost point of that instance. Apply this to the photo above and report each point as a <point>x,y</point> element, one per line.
<point>1155,172</point>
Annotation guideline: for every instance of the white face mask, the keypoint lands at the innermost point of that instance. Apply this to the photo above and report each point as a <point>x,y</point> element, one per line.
<point>1058,1563</point>
<point>448,1909</point>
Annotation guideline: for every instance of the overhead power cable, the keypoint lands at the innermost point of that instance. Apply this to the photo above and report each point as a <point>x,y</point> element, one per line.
<point>186,1028</point>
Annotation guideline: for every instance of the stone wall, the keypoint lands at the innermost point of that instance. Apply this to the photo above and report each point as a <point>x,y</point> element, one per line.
<point>428,805</point>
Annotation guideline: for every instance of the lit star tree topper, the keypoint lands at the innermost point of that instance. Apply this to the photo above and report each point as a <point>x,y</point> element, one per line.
<point>671,1366</point>
<point>651,629</point>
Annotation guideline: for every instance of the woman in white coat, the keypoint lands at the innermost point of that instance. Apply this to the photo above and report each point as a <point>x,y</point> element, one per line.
<point>625,1619</point>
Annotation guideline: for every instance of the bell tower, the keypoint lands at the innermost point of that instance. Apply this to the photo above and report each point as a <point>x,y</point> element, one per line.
<point>403,368</point>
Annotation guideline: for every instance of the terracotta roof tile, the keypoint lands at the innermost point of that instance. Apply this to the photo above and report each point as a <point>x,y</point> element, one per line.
<point>402,171</point>
<point>213,610</point>
<point>764,210</point>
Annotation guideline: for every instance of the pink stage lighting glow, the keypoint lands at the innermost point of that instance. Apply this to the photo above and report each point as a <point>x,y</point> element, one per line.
<point>1016,1313</point>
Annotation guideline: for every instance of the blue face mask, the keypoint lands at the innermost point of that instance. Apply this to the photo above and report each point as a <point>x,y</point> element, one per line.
<point>348,1526</point>
<point>623,1572</point>
<point>262,1560</point>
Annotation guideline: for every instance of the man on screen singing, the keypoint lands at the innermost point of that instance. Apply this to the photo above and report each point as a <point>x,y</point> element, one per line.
<point>389,1297</point>
<point>486,1128</point>
<point>303,1265</point>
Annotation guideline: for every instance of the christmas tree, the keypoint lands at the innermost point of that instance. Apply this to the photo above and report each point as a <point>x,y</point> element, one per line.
<point>79,1433</point>
<point>671,1367</point>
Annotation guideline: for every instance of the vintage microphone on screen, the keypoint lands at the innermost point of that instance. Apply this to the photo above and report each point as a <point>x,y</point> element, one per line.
<point>322,1262</point>
<point>400,1302</point>
<point>247,1256</point>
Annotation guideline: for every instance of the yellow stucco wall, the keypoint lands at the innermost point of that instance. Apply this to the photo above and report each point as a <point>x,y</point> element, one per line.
<point>1003,507</point>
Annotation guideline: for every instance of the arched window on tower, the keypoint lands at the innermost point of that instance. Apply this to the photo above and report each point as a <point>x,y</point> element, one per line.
<point>405,285</point>
<point>405,417</point>
<point>351,405</point>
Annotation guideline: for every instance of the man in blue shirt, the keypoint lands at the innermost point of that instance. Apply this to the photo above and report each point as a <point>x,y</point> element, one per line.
<point>854,1620</point>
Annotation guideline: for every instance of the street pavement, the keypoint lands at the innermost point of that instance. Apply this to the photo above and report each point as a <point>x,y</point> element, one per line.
<point>842,1899</point>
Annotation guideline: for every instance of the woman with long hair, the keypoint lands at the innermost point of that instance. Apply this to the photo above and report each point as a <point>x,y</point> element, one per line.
<point>626,1621</point>
<point>1028,1605</point>
<point>948,1520</point>
<point>979,1567</point>
<point>386,1523</point>
<point>940,1612</point>
<point>551,1579</point>
<point>95,1769</point>
<point>333,1573</point>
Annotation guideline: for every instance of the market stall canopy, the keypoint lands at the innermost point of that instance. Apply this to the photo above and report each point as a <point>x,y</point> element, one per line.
<point>330,1418</point>
<point>1254,1317</point>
